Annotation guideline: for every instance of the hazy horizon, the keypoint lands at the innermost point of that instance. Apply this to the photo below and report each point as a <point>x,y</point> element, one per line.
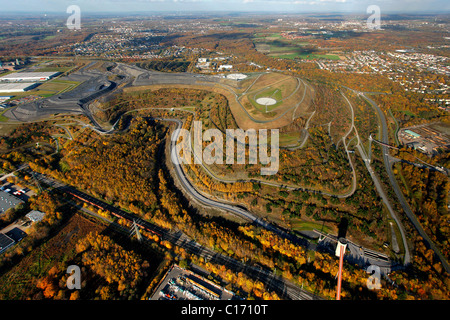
<point>232,6</point>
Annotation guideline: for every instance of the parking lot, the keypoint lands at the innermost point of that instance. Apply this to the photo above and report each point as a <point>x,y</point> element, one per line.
<point>17,191</point>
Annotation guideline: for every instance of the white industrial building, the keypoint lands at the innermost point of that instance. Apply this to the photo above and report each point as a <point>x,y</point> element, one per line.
<point>35,216</point>
<point>16,87</point>
<point>226,67</point>
<point>28,76</point>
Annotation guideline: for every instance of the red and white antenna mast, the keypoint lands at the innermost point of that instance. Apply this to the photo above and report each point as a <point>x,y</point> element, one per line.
<point>340,251</point>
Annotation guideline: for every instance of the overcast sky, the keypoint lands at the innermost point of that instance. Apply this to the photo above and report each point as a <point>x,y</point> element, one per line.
<point>294,6</point>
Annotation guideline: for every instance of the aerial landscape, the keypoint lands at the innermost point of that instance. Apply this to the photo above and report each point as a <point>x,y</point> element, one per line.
<point>235,151</point>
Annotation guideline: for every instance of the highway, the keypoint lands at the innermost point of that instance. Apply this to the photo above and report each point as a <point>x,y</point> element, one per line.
<point>396,187</point>
<point>378,186</point>
<point>384,197</point>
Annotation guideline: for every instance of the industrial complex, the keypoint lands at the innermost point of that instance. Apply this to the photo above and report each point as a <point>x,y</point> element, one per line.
<point>23,81</point>
<point>182,284</point>
<point>427,139</point>
<point>28,76</point>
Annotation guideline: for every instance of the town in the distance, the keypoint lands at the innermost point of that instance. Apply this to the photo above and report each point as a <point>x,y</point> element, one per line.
<point>224,156</point>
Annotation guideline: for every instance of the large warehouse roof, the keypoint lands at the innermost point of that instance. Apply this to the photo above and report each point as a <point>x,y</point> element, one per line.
<point>16,87</point>
<point>28,76</point>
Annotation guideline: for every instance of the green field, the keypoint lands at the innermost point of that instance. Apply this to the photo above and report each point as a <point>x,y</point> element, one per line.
<point>265,36</point>
<point>274,93</point>
<point>49,37</point>
<point>299,225</point>
<point>59,86</point>
<point>262,108</point>
<point>2,117</point>
<point>280,48</point>
<point>408,113</point>
<point>289,138</point>
<point>289,93</point>
<point>304,56</point>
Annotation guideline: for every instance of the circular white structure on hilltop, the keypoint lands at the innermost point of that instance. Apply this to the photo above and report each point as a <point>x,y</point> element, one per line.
<point>266,101</point>
<point>236,76</point>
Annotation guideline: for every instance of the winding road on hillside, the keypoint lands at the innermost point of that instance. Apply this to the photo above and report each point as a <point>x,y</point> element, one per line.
<point>235,209</point>
<point>242,212</point>
<point>354,255</point>
<point>287,186</point>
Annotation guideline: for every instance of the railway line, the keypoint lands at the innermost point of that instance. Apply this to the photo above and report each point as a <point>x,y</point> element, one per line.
<point>283,287</point>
